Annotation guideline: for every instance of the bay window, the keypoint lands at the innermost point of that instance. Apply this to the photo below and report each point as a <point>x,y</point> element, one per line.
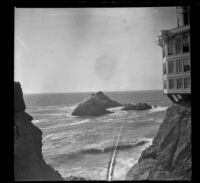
<point>171,83</point>
<point>186,65</point>
<point>179,66</point>
<point>178,44</point>
<point>187,83</point>
<point>171,67</point>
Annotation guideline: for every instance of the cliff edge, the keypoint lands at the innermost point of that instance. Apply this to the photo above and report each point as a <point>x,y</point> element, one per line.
<point>169,156</point>
<point>28,160</point>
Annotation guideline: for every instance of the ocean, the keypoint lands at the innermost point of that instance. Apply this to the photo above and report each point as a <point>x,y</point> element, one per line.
<point>82,146</point>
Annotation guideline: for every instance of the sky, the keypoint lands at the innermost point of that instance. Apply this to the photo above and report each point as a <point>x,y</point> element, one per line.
<point>89,49</point>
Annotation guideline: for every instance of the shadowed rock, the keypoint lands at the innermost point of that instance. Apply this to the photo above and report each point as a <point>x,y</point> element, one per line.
<point>75,178</point>
<point>169,156</point>
<point>96,105</point>
<point>29,164</point>
<point>138,106</point>
<point>19,104</point>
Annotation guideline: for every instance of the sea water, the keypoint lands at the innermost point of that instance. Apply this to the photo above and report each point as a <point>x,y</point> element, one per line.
<point>82,146</point>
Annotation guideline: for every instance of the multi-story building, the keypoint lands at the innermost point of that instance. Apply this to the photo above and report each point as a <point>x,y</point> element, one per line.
<point>175,45</point>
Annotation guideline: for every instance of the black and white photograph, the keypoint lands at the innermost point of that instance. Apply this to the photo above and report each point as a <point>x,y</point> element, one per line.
<point>102,93</point>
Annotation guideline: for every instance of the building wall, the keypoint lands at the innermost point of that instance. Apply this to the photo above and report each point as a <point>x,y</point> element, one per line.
<point>175,45</point>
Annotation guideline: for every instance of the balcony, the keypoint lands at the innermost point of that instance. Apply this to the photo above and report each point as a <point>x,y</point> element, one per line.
<point>179,30</point>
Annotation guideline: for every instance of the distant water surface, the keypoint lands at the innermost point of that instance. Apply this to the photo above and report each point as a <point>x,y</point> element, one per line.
<point>82,146</point>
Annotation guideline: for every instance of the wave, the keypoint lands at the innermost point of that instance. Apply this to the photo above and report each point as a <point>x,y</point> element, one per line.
<point>50,110</point>
<point>159,120</point>
<point>95,150</point>
<point>36,121</point>
<point>115,108</point>
<point>54,136</point>
<point>65,124</point>
<point>68,108</point>
<point>39,121</point>
<point>158,109</point>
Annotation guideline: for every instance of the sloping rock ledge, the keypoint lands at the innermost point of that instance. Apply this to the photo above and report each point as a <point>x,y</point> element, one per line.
<point>169,156</point>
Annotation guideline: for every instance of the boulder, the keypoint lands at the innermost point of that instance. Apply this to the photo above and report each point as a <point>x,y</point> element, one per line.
<point>138,106</point>
<point>95,105</point>
<point>169,156</point>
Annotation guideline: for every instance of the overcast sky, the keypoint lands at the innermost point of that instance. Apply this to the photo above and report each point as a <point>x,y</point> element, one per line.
<point>89,49</point>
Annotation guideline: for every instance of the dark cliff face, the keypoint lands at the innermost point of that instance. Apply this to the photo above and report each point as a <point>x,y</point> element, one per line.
<point>169,156</point>
<point>28,160</point>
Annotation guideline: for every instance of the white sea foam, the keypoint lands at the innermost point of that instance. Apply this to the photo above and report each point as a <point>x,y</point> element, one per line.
<point>80,122</point>
<point>57,114</point>
<point>67,108</point>
<point>55,136</point>
<point>35,121</point>
<point>107,120</point>
<point>65,124</point>
<point>39,120</point>
<point>115,108</point>
<point>157,109</point>
<point>159,120</point>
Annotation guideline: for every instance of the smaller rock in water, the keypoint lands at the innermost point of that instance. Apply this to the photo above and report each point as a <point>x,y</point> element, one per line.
<point>138,106</point>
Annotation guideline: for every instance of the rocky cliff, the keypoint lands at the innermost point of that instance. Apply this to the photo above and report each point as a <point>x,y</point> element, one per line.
<point>28,160</point>
<point>169,156</point>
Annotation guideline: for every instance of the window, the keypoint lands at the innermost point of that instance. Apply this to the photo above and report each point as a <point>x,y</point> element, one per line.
<point>171,83</point>
<point>179,83</point>
<point>171,67</point>
<point>186,16</point>
<point>185,43</point>
<point>170,46</point>
<point>186,65</point>
<point>178,44</point>
<point>163,49</point>
<point>164,84</point>
<point>187,83</point>
<point>179,66</point>
<point>164,69</point>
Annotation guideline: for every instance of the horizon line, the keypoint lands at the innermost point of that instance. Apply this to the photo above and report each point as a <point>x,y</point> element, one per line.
<point>91,91</point>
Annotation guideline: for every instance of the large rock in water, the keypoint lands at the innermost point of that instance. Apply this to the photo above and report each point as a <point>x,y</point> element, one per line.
<point>138,106</point>
<point>95,105</point>
<point>169,156</point>
<point>29,164</point>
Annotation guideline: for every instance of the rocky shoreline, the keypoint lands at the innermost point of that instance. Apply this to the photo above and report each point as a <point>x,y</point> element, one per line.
<point>169,156</point>
<point>29,164</point>
<point>28,160</point>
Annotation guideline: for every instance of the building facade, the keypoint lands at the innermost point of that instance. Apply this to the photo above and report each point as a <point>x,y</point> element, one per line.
<point>175,44</point>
